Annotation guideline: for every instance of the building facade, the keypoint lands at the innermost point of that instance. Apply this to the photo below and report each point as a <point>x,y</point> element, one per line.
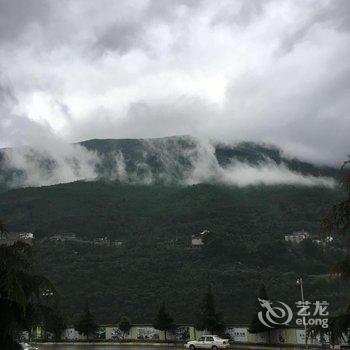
<point>297,237</point>
<point>236,333</point>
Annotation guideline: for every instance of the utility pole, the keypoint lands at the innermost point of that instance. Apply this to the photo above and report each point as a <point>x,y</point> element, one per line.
<point>300,283</point>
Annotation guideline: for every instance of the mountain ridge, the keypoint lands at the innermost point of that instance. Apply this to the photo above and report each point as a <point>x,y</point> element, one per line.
<point>237,195</point>
<point>172,159</point>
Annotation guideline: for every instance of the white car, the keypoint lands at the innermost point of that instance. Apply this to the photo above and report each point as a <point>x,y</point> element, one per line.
<point>212,342</point>
<point>26,346</point>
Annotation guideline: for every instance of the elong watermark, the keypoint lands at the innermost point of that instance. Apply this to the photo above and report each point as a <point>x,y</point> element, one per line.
<point>278,313</point>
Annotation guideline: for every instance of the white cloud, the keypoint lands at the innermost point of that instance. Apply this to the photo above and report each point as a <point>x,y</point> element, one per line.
<point>273,71</point>
<point>166,160</point>
<point>48,167</point>
<point>207,169</point>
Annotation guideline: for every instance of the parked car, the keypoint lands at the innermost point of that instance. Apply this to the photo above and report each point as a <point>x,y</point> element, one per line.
<point>212,342</point>
<point>26,346</point>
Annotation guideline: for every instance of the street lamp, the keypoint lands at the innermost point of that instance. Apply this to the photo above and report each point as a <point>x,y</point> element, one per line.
<point>300,283</point>
<point>47,293</point>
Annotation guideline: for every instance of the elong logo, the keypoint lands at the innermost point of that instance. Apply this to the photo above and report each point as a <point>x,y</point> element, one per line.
<point>275,313</point>
<point>278,313</point>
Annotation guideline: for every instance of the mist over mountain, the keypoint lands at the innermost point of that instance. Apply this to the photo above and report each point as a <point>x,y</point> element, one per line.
<point>153,195</point>
<point>180,160</point>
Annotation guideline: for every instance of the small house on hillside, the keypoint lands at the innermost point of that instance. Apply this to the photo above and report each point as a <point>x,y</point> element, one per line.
<point>63,237</point>
<point>12,237</point>
<point>198,240</point>
<point>102,241</point>
<point>297,237</point>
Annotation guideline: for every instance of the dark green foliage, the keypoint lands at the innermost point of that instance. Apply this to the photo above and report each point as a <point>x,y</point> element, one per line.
<point>155,262</point>
<point>209,318</point>
<point>21,291</point>
<point>3,230</point>
<point>55,322</point>
<point>124,324</point>
<point>338,326</point>
<point>337,220</point>
<point>86,324</point>
<point>164,321</point>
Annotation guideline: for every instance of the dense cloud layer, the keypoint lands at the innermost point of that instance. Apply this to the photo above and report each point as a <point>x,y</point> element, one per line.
<point>275,71</point>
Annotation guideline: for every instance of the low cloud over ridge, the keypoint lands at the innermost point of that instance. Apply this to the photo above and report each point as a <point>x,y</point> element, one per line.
<point>40,167</point>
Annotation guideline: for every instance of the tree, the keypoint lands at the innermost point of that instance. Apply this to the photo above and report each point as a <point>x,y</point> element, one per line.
<point>164,321</point>
<point>255,325</point>
<point>21,293</point>
<point>209,319</point>
<point>337,220</point>
<point>124,325</point>
<point>338,326</point>
<point>86,324</point>
<point>55,322</point>
<point>3,230</point>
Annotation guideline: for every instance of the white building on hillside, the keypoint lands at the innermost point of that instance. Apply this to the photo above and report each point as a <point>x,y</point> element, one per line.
<point>197,240</point>
<point>11,238</point>
<point>297,237</point>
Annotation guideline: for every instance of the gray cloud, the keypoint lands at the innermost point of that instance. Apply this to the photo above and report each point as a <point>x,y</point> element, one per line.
<point>234,70</point>
<point>17,15</point>
<point>121,37</point>
<point>240,13</point>
<point>126,34</point>
<point>335,14</point>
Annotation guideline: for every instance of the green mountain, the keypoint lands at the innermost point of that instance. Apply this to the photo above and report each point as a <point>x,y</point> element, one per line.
<point>173,156</point>
<point>156,219</point>
<point>155,262</point>
<point>170,160</point>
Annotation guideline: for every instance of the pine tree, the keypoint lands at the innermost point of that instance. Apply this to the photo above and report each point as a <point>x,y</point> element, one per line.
<point>164,321</point>
<point>86,324</point>
<point>124,325</point>
<point>3,230</point>
<point>209,319</point>
<point>21,301</point>
<point>55,322</point>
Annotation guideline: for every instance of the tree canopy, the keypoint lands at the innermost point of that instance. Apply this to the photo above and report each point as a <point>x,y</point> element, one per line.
<point>337,220</point>
<point>86,324</point>
<point>209,319</point>
<point>21,293</point>
<point>163,320</point>
<point>124,324</point>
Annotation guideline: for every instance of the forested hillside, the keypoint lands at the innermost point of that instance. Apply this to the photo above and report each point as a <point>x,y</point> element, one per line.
<point>155,262</point>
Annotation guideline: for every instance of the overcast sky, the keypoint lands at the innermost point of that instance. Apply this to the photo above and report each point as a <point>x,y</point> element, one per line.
<point>262,70</point>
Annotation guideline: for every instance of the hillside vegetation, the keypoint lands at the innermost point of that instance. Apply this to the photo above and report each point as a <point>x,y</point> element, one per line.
<point>155,263</point>
<point>153,195</point>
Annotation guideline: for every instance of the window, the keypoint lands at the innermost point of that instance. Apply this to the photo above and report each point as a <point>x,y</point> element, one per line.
<point>201,339</point>
<point>210,339</point>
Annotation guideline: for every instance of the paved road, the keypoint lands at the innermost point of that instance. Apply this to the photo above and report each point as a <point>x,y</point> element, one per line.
<point>116,347</point>
<point>101,347</point>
